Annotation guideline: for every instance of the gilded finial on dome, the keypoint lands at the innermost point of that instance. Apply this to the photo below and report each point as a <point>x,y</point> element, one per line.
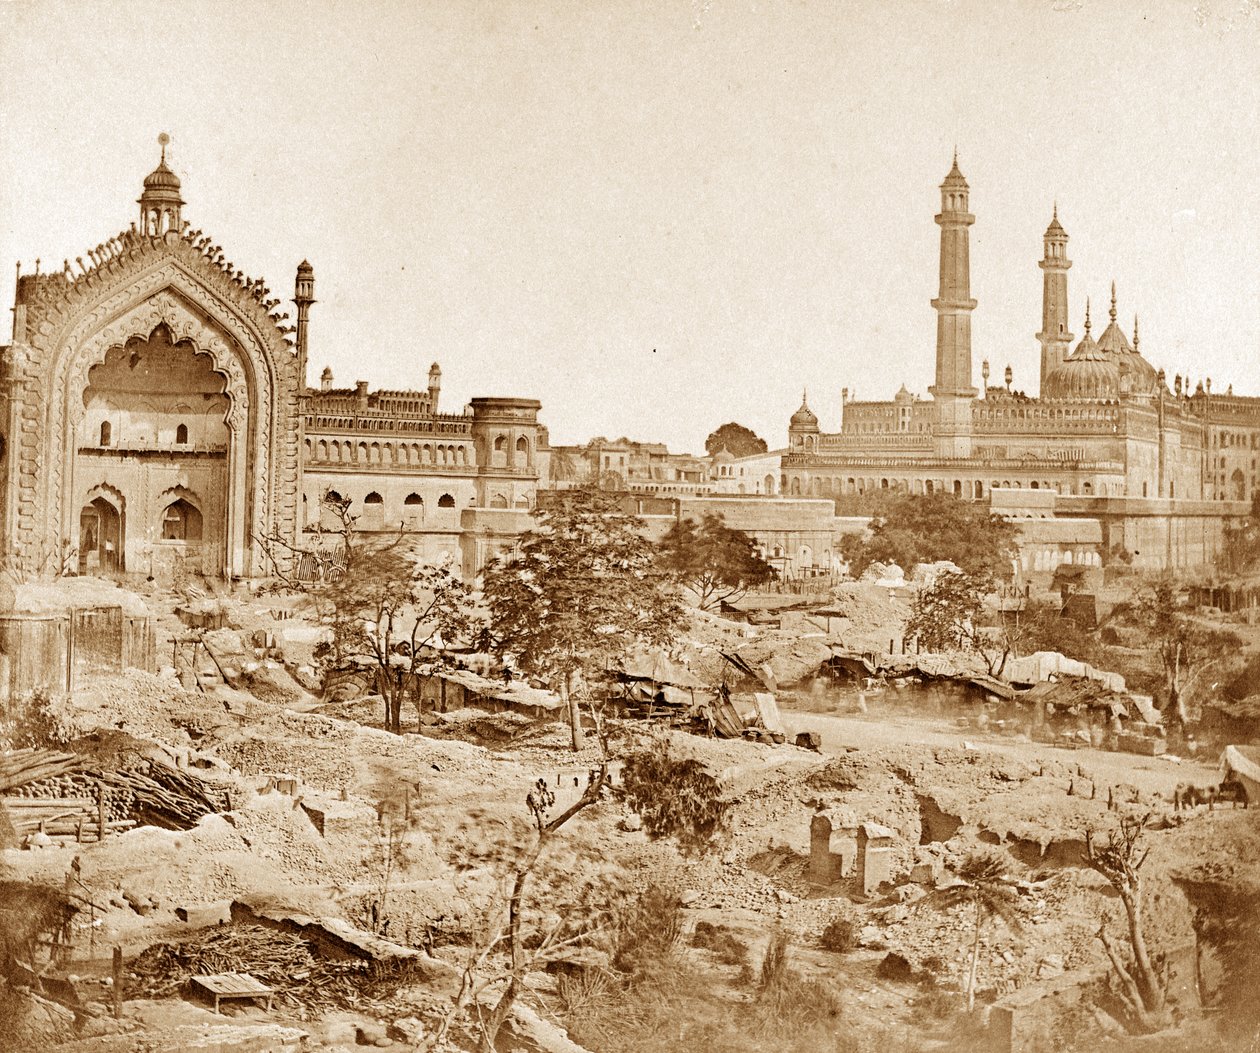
<point>1113,299</point>
<point>1087,316</point>
<point>163,142</point>
<point>1137,341</point>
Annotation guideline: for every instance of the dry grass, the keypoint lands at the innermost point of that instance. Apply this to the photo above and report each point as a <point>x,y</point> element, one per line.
<point>673,1005</point>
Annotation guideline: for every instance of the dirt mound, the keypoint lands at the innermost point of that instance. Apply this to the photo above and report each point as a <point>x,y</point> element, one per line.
<point>62,594</point>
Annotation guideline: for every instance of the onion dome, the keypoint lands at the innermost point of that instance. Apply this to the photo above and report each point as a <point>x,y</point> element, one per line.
<point>1138,376</point>
<point>161,178</point>
<point>1088,374</point>
<point>160,202</point>
<point>804,418</point>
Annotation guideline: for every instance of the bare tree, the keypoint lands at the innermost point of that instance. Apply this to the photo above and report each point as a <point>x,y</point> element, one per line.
<point>1143,978</point>
<point>676,804</point>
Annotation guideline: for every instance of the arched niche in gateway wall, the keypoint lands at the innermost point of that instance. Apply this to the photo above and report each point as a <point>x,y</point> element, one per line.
<point>194,318</point>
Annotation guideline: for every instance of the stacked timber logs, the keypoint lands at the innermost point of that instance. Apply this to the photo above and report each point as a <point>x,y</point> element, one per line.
<point>165,796</point>
<point>49,793</point>
<point>19,767</point>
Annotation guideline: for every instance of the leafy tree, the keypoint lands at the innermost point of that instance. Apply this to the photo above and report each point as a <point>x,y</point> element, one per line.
<point>982,884</point>
<point>675,796</point>
<point>1240,551</point>
<point>1042,627</point>
<point>946,616</point>
<point>400,615</point>
<point>738,441</point>
<point>1191,654</point>
<point>1143,979</point>
<point>926,528</point>
<point>583,589</point>
<point>716,562</point>
<point>384,606</point>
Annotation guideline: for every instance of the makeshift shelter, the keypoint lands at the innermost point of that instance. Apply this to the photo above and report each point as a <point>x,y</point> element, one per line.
<point>453,689</point>
<point>1074,694</point>
<point>1242,764</point>
<point>777,663</point>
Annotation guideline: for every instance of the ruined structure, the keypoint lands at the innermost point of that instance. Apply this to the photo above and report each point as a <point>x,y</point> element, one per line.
<point>155,418</point>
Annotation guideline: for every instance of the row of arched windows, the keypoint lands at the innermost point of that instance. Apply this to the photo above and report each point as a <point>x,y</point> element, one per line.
<point>371,515</point>
<point>107,434</point>
<point>334,451</point>
<point>971,489</point>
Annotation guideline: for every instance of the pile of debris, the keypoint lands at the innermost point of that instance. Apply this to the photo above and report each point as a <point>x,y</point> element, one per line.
<point>300,976</point>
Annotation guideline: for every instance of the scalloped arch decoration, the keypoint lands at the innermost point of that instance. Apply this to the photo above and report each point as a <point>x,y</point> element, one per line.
<point>168,295</point>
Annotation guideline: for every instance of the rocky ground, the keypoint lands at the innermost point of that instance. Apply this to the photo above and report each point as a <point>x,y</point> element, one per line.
<point>323,847</point>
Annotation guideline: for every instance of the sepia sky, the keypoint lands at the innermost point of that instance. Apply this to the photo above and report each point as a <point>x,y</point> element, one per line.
<point>659,216</point>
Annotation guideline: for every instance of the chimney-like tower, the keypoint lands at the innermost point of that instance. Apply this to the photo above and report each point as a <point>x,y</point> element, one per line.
<point>1055,340</point>
<point>435,386</point>
<point>953,392</point>
<point>303,297</point>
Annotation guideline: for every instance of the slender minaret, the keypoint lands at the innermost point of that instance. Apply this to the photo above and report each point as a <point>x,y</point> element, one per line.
<point>1055,340</point>
<point>953,392</point>
<point>303,297</point>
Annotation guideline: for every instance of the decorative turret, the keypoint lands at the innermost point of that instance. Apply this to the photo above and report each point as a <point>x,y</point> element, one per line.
<point>160,202</point>
<point>435,386</point>
<point>953,392</point>
<point>303,297</point>
<point>326,379</point>
<point>803,427</point>
<point>1054,337</point>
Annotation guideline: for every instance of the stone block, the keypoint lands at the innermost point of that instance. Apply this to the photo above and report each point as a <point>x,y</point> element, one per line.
<point>204,915</point>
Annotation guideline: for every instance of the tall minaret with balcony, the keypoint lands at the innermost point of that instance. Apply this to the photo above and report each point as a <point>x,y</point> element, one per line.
<point>303,298</point>
<point>1055,340</point>
<point>953,392</point>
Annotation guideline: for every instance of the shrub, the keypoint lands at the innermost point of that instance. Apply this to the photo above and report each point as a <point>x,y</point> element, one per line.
<point>937,1004</point>
<point>646,929</point>
<point>726,947</point>
<point>676,796</point>
<point>840,936</point>
<point>774,966</point>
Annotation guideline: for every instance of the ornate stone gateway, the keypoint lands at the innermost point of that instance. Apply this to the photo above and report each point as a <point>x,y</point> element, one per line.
<point>151,408</point>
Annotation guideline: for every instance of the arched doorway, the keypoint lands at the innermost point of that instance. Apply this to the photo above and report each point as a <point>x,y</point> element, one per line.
<point>138,435</point>
<point>101,537</point>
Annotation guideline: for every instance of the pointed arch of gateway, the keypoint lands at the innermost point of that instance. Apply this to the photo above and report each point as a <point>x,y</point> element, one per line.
<point>164,292</point>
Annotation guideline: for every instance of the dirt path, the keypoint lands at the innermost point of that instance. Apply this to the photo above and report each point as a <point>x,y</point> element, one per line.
<point>1150,774</point>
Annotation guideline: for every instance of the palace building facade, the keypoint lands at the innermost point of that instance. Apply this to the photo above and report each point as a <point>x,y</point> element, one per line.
<point>155,418</point>
<point>1162,465</point>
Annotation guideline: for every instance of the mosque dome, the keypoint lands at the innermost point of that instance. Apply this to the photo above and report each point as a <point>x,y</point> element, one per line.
<point>1088,374</point>
<point>1137,375</point>
<point>804,417</point>
<point>161,178</point>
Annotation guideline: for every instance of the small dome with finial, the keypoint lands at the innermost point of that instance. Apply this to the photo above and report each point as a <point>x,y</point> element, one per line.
<point>804,417</point>
<point>955,177</point>
<point>1055,228</point>
<point>162,178</point>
